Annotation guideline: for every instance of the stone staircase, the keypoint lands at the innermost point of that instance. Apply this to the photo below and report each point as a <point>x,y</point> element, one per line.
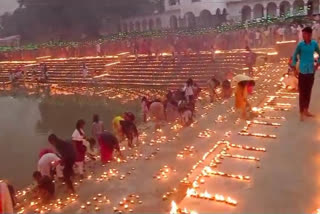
<point>166,72</point>
<point>7,66</point>
<point>127,71</point>
<point>68,71</point>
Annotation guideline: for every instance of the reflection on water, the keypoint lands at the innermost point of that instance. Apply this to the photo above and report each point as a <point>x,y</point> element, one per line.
<point>26,121</point>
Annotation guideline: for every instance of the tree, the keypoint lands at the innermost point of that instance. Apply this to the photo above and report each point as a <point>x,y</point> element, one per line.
<point>40,20</point>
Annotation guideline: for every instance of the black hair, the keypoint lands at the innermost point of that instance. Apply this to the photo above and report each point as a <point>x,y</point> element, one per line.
<point>79,125</point>
<point>190,82</point>
<point>36,174</point>
<point>52,138</point>
<point>95,118</point>
<point>226,84</point>
<point>307,30</point>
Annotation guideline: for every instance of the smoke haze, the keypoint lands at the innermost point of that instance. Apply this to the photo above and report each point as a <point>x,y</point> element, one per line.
<point>7,6</point>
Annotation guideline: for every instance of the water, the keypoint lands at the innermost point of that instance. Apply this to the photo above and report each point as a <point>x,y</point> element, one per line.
<point>26,122</point>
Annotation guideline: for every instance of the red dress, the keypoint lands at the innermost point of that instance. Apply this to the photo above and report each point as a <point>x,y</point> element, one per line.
<point>106,153</point>
<point>108,142</point>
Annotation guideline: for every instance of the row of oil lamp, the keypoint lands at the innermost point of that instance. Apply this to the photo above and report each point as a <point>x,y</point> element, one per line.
<point>208,170</point>
<point>219,198</point>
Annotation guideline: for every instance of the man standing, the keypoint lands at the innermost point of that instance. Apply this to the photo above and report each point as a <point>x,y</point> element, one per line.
<point>307,68</point>
<point>213,84</point>
<point>250,60</point>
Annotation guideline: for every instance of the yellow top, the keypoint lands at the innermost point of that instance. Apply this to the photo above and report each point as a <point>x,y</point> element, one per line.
<point>116,123</point>
<point>241,95</point>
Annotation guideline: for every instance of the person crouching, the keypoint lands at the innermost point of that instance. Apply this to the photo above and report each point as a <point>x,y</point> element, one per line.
<point>108,143</point>
<point>241,97</point>
<point>45,188</point>
<point>130,130</point>
<point>186,116</point>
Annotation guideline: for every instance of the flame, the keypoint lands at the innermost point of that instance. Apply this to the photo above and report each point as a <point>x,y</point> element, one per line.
<point>219,197</point>
<point>205,194</point>
<point>256,109</point>
<point>231,201</point>
<point>113,63</point>
<point>284,42</point>
<point>191,192</point>
<point>174,208</point>
<point>272,53</point>
<point>195,184</point>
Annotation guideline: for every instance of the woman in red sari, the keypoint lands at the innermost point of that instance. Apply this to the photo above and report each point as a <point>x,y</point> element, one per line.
<point>108,143</point>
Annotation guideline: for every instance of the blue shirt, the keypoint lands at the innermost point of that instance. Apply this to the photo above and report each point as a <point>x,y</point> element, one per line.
<point>306,52</point>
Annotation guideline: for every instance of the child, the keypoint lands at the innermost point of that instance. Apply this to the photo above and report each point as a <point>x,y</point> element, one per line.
<point>130,130</point>
<point>226,89</point>
<point>78,138</point>
<point>84,70</point>
<point>186,116</point>
<point>241,95</point>
<point>45,187</point>
<point>144,107</point>
<point>290,79</point>
<point>213,84</point>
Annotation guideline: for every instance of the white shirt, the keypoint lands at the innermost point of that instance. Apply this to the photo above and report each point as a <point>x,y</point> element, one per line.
<point>257,35</point>
<point>76,136</point>
<point>187,116</point>
<point>45,163</point>
<point>84,71</point>
<point>280,31</point>
<point>144,107</point>
<point>188,90</point>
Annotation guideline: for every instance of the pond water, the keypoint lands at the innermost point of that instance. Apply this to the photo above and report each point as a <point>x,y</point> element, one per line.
<point>26,122</point>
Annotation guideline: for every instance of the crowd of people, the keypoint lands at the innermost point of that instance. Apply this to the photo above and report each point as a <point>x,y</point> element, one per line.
<point>67,158</point>
<point>265,36</point>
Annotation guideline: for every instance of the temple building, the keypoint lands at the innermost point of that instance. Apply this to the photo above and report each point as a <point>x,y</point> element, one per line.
<point>209,13</point>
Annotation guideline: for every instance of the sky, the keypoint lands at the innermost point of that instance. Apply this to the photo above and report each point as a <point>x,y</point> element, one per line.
<point>7,6</point>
